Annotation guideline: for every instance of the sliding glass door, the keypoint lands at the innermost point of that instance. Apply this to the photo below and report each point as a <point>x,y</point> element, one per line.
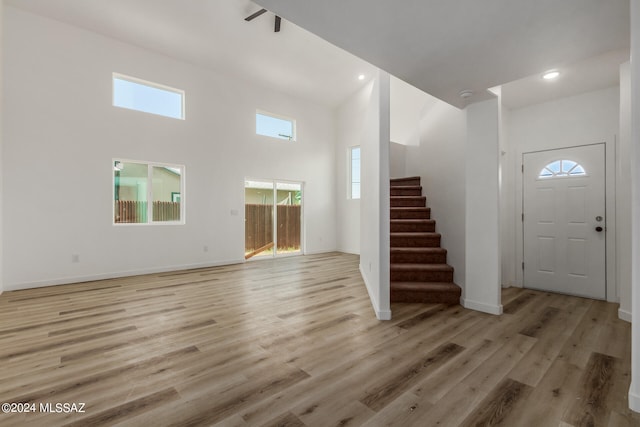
<point>273,218</point>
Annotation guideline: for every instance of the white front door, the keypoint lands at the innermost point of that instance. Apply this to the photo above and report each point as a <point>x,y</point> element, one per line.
<point>564,221</point>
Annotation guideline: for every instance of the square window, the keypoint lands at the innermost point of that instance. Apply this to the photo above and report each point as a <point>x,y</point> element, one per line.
<point>147,193</point>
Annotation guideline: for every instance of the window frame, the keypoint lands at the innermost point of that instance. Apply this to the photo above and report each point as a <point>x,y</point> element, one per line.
<point>351,181</point>
<point>293,122</point>
<point>150,84</point>
<point>150,166</point>
<point>562,174</point>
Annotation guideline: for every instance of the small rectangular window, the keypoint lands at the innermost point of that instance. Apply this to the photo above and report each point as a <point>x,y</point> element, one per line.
<point>137,183</point>
<point>136,94</point>
<point>355,172</point>
<point>276,127</point>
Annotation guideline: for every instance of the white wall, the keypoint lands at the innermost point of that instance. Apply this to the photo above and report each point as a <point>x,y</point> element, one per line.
<point>509,220</point>
<point>408,106</point>
<point>579,120</point>
<point>350,118</point>
<point>634,390</point>
<point>374,215</point>
<point>397,160</point>
<point>1,132</point>
<point>623,199</point>
<point>59,118</point>
<point>482,208</point>
<point>439,161</point>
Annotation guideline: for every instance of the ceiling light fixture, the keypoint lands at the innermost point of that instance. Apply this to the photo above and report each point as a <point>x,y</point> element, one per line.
<point>361,77</point>
<point>551,75</point>
<point>466,94</point>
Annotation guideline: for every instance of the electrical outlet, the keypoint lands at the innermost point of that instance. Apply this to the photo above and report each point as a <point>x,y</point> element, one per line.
<point>75,258</point>
<point>205,248</point>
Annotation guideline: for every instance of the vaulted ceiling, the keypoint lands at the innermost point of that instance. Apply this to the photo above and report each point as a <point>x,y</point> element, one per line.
<point>445,47</point>
<point>213,34</point>
<point>441,47</point>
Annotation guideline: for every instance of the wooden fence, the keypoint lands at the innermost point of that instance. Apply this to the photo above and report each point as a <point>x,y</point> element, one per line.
<point>129,211</point>
<point>258,230</point>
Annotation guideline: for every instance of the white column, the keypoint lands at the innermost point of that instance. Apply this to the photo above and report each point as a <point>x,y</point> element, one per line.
<point>623,197</point>
<point>385,203</point>
<point>1,133</point>
<point>634,390</point>
<point>374,202</point>
<point>482,208</point>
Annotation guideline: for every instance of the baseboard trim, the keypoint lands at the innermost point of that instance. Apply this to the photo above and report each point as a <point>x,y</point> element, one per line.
<point>320,252</point>
<point>634,400</point>
<point>349,251</point>
<point>624,315</point>
<point>117,275</point>
<point>480,306</point>
<point>380,314</point>
<point>383,314</point>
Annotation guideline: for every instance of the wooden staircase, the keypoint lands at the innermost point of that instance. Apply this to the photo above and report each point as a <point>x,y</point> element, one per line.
<point>419,269</point>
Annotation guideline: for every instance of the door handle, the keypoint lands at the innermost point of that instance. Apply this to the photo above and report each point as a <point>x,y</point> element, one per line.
<point>599,229</point>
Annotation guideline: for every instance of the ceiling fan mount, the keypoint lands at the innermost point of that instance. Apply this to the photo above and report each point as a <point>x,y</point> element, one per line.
<point>278,20</point>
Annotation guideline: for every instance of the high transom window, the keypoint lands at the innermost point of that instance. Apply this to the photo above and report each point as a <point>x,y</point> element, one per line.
<point>275,126</point>
<point>148,97</point>
<point>562,168</point>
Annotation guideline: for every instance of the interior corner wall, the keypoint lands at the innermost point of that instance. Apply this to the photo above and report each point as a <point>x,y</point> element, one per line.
<point>61,133</point>
<point>397,160</point>
<point>374,214</point>
<point>350,122</point>
<point>509,220</point>
<point>482,289</point>
<point>438,160</point>
<point>634,390</point>
<point>623,196</point>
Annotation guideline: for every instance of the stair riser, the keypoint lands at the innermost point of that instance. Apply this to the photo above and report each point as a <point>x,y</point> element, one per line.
<point>417,202</point>
<point>449,298</point>
<point>421,276</point>
<point>423,227</point>
<point>396,191</point>
<point>405,182</point>
<point>415,242</point>
<point>419,258</point>
<point>413,214</point>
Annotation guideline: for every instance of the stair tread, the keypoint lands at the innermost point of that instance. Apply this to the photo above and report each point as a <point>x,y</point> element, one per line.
<point>410,208</point>
<point>421,266</point>
<point>412,220</point>
<point>408,197</point>
<point>411,249</point>
<point>408,187</point>
<point>406,178</point>
<point>415,234</point>
<point>423,286</point>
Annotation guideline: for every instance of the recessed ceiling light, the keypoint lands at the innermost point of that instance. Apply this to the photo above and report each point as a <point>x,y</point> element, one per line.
<point>361,77</point>
<point>551,74</point>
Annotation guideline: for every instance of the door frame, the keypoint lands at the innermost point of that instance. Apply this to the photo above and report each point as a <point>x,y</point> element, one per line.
<point>275,218</point>
<point>610,214</point>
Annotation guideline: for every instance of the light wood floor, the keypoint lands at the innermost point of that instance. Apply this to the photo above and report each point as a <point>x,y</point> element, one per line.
<point>294,342</point>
